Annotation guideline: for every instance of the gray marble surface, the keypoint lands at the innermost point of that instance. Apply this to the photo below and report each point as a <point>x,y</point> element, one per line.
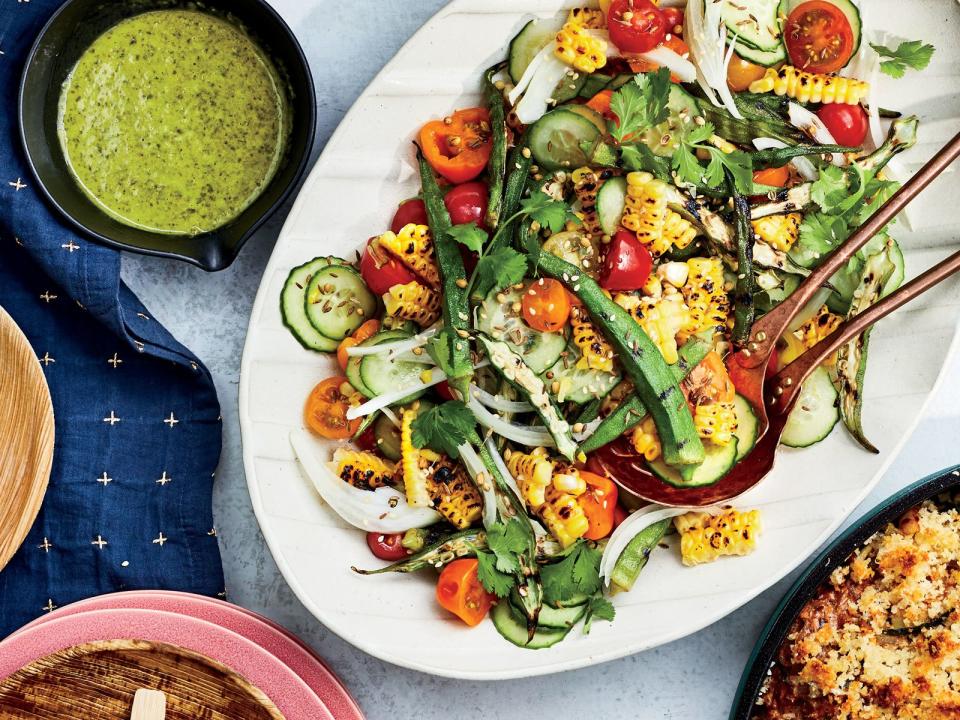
<point>694,678</point>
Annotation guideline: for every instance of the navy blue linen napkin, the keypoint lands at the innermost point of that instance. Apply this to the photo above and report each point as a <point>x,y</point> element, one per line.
<point>138,427</point>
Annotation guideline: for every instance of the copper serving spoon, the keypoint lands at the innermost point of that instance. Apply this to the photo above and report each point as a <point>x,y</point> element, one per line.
<point>773,407</point>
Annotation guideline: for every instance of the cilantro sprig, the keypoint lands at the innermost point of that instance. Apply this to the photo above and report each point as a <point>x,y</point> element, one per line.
<point>470,235</point>
<point>640,104</point>
<point>908,54</point>
<point>578,573</point>
<point>445,427</point>
<point>501,565</point>
<point>689,169</point>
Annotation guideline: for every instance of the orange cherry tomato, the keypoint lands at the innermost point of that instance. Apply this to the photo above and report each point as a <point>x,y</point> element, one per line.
<point>773,176</point>
<point>459,591</point>
<point>546,305</point>
<point>742,73</point>
<point>601,103</point>
<point>673,42</point>
<point>599,504</point>
<point>818,37</point>
<point>326,410</point>
<point>459,149</point>
<point>364,332</point>
<point>710,380</point>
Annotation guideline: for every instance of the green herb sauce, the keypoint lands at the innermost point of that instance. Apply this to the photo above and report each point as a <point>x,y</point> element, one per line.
<point>173,121</point>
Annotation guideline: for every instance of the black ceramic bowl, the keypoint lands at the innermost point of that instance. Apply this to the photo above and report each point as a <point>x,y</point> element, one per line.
<point>819,571</point>
<point>58,47</point>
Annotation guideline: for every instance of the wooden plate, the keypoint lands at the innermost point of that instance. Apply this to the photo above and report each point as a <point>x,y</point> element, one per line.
<point>26,437</point>
<point>97,681</point>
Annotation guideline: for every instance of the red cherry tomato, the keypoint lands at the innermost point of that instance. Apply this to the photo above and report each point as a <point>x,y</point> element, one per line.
<point>627,264</point>
<point>674,18</point>
<point>367,440</point>
<point>387,547</point>
<point>410,211</point>
<point>444,391</point>
<point>467,203</point>
<point>380,271</point>
<point>636,26</point>
<point>619,515</point>
<point>818,36</point>
<point>847,123</point>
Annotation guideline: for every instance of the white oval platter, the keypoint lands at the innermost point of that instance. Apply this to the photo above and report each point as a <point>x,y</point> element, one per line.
<point>365,170</point>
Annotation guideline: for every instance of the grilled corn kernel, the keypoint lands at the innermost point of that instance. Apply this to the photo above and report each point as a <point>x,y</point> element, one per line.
<point>586,184</point>
<point>662,320</point>
<point>579,49</point>
<point>414,476</point>
<point>808,87</point>
<point>818,327</point>
<point>413,247</point>
<point>533,472</point>
<point>569,481</point>
<point>646,214</point>
<point>705,295</point>
<point>705,537</point>
<point>413,301</point>
<point>675,273</point>
<point>591,18</point>
<point>563,516</point>
<point>716,422</point>
<point>778,231</point>
<point>363,470</point>
<point>454,494</point>
<point>595,352</point>
<point>645,439</point>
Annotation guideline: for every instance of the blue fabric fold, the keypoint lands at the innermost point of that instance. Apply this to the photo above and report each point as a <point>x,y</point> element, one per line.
<point>138,429</point>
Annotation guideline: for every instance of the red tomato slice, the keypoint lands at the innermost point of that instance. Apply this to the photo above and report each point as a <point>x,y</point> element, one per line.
<point>818,36</point>
<point>636,26</point>
<point>467,203</point>
<point>627,264</point>
<point>380,271</point>
<point>847,123</point>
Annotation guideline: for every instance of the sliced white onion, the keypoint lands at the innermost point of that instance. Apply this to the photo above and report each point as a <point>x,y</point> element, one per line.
<point>384,510</point>
<point>476,467</point>
<point>525,435</point>
<point>521,87</point>
<point>500,403</point>
<point>628,530</point>
<point>807,122</point>
<point>706,33</point>
<point>803,165</point>
<point>391,415</point>
<point>675,63</point>
<point>395,348</point>
<point>537,99</point>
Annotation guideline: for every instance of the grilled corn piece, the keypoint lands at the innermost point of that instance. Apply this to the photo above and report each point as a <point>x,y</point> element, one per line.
<point>705,537</point>
<point>595,352</point>
<point>413,301</point>
<point>454,494</point>
<point>533,472</point>
<point>415,481</point>
<point>716,422</point>
<point>661,319</point>
<point>646,214</point>
<point>586,184</point>
<point>579,49</point>
<point>363,470</point>
<point>590,18</point>
<point>413,246</point>
<point>808,87</point>
<point>560,512</point>
<point>645,439</point>
<point>818,327</point>
<point>705,296</point>
<point>778,231</point>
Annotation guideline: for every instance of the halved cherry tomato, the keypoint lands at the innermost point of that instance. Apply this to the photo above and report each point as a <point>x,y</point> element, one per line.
<point>674,16</point>
<point>619,515</point>
<point>467,203</point>
<point>380,271</point>
<point>818,36</point>
<point>367,440</point>
<point>773,176</point>
<point>599,504</point>
<point>365,331</point>
<point>444,391</point>
<point>847,123</point>
<point>636,26</point>
<point>709,381</point>
<point>459,591</point>
<point>459,149</point>
<point>743,73</point>
<point>409,211</point>
<point>673,42</point>
<point>546,306</point>
<point>387,547</point>
<point>326,410</point>
<point>627,264</point>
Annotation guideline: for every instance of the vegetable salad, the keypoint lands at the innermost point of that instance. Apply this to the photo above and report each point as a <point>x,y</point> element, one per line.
<point>590,244</point>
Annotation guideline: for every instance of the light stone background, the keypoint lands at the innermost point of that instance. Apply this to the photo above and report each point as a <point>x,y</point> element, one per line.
<point>693,679</point>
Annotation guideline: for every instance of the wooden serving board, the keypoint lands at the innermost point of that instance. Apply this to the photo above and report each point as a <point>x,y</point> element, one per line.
<point>26,437</point>
<point>98,680</point>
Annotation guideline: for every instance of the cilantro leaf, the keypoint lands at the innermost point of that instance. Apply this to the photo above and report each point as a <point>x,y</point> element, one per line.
<point>909,54</point>
<point>599,609</point>
<point>640,104</point>
<point>501,268</point>
<point>639,157</point>
<point>444,428</point>
<point>499,583</point>
<point>830,188</point>
<point>470,235</point>
<point>686,165</point>
<point>878,192</point>
<point>547,211</point>
<point>699,134</point>
<point>507,541</point>
<point>578,572</point>
<point>688,168</point>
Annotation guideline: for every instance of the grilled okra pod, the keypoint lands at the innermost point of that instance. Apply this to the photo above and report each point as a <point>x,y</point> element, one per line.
<point>775,157</point>
<point>635,555</point>
<point>462,544</point>
<point>744,310</point>
<point>497,168</point>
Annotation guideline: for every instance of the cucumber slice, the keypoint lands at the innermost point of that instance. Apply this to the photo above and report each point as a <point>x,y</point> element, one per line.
<point>514,629</point>
<point>815,413</point>
<point>531,39</point>
<point>593,84</point>
<point>387,437</point>
<point>766,58</point>
<point>611,200</point>
<point>337,301</point>
<point>381,374</point>
<point>579,385</point>
<point>849,10</point>
<point>562,618</point>
<point>557,140</point>
<point>719,461</point>
<point>353,364</point>
<point>496,320</point>
<point>590,114</point>
<point>293,305</point>
<point>755,22</point>
<point>746,427</point>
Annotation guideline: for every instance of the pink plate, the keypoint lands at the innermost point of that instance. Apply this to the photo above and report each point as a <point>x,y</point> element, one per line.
<point>273,638</point>
<point>292,696</point>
